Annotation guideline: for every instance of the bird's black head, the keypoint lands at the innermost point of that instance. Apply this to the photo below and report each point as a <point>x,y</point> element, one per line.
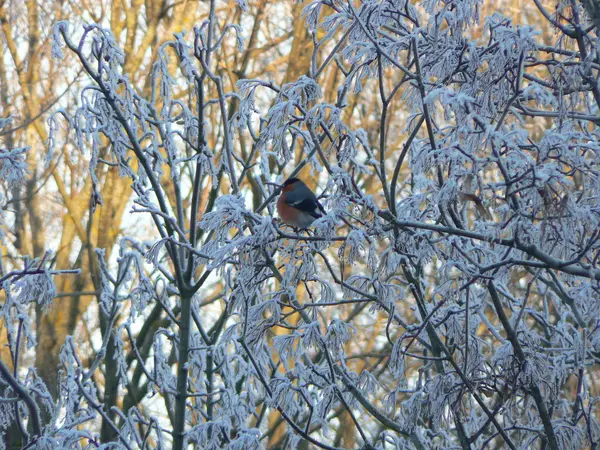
<point>290,181</point>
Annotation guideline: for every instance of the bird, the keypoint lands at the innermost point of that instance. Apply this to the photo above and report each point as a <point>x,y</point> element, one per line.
<point>297,205</point>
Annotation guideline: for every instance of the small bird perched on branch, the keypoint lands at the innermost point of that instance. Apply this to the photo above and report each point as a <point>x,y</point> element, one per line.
<point>297,205</point>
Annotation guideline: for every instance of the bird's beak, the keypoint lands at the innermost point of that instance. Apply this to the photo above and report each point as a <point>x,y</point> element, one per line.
<point>280,186</point>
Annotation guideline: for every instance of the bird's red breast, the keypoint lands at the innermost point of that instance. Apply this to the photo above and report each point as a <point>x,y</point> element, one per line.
<point>287,214</point>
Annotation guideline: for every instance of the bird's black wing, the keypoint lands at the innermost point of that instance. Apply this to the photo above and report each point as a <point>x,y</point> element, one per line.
<point>307,205</point>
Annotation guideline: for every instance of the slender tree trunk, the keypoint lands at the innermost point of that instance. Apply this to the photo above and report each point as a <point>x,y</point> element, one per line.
<point>182,371</point>
<point>111,385</point>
